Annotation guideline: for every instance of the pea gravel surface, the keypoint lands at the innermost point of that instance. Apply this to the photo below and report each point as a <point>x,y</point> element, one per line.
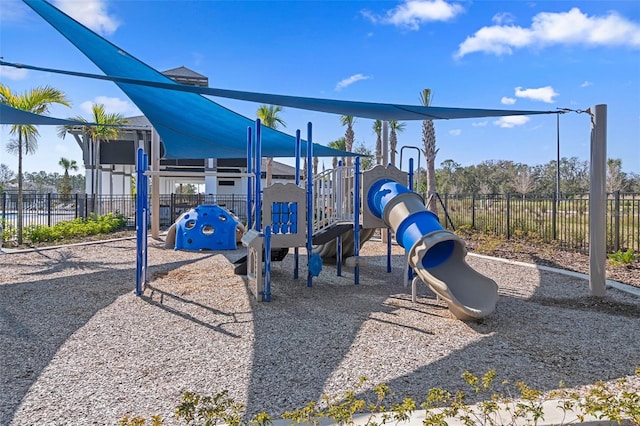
<point>77,347</point>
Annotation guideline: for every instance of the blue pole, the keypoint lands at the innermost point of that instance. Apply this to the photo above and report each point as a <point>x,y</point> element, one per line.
<point>356,220</point>
<point>146,218</point>
<point>258,161</point>
<point>339,239</point>
<point>309,203</point>
<point>267,264</point>
<point>249,183</point>
<point>140,222</point>
<point>296,250</point>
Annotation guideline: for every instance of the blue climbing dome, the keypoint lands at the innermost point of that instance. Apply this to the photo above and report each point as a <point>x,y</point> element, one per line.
<point>206,227</point>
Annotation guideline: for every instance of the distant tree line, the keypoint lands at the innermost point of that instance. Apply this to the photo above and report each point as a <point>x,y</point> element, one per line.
<point>41,182</point>
<point>502,176</point>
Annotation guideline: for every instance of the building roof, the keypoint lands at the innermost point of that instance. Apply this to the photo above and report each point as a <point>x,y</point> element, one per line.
<point>278,169</point>
<point>185,75</point>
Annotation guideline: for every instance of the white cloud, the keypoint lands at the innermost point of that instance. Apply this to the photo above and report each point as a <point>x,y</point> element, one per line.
<point>547,29</point>
<point>507,101</point>
<point>412,13</point>
<point>586,83</point>
<point>91,13</point>
<point>503,18</point>
<point>350,80</point>
<point>544,94</point>
<point>480,123</point>
<point>511,121</point>
<point>13,73</point>
<point>111,105</point>
<point>455,132</point>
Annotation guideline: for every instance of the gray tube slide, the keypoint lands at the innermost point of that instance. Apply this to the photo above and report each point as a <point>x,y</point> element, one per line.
<point>436,255</point>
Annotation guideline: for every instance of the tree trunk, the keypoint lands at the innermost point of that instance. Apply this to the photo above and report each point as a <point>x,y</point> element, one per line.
<point>269,171</point>
<point>431,185</point>
<point>19,204</point>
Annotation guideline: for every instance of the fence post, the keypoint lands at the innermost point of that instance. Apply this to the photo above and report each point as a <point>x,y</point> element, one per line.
<point>508,196</point>
<point>446,210</point>
<point>473,211</point>
<point>75,197</point>
<point>48,209</point>
<point>616,221</point>
<point>4,205</point>
<point>172,207</point>
<point>554,215</point>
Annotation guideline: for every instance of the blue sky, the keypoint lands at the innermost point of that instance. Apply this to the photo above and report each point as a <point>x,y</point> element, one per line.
<point>538,55</point>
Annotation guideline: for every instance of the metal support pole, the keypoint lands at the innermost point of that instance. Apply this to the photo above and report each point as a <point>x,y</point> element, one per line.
<point>249,183</point>
<point>258,165</point>
<point>385,143</point>
<point>309,202</point>
<point>296,250</point>
<point>267,264</point>
<point>337,190</point>
<point>597,201</point>
<point>409,274</point>
<point>155,184</point>
<point>356,220</point>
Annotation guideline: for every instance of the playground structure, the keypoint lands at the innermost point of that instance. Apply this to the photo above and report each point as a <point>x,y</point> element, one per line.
<point>205,128</point>
<point>332,215</point>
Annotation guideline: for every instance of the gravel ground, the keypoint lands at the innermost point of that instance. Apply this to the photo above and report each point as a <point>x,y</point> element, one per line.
<point>78,347</point>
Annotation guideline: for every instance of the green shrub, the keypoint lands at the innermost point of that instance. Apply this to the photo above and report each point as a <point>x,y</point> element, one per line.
<point>9,231</point>
<point>518,404</point>
<point>76,228</point>
<point>622,258</point>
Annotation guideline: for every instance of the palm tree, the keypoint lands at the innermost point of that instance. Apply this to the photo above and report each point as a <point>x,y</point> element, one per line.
<point>395,126</point>
<point>107,128</point>
<point>36,101</point>
<point>65,188</point>
<point>269,116</point>
<point>337,144</point>
<point>377,128</point>
<point>430,152</point>
<point>349,136</point>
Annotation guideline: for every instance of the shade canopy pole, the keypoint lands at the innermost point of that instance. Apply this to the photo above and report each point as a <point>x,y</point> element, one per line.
<point>597,201</point>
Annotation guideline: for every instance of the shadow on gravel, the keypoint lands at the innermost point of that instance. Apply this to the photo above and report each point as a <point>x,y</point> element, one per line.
<point>532,339</point>
<point>28,342</point>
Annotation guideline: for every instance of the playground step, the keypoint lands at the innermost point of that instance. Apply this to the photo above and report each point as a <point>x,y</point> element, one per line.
<point>332,232</point>
<point>240,265</point>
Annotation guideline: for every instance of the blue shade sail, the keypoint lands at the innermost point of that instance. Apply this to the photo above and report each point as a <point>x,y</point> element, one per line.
<point>190,125</point>
<point>377,111</point>
<point>14,116</point>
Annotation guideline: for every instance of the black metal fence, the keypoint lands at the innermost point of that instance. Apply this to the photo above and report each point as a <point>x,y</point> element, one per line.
<point>173,205</point>
<point>49,209</point>
<point>564,220</point>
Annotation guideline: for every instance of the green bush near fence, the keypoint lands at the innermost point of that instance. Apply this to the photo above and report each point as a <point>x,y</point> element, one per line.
<point>9,231</point>
<point>76,228</point>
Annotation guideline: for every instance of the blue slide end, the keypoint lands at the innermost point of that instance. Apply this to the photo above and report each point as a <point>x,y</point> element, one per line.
<point>416,226</point>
